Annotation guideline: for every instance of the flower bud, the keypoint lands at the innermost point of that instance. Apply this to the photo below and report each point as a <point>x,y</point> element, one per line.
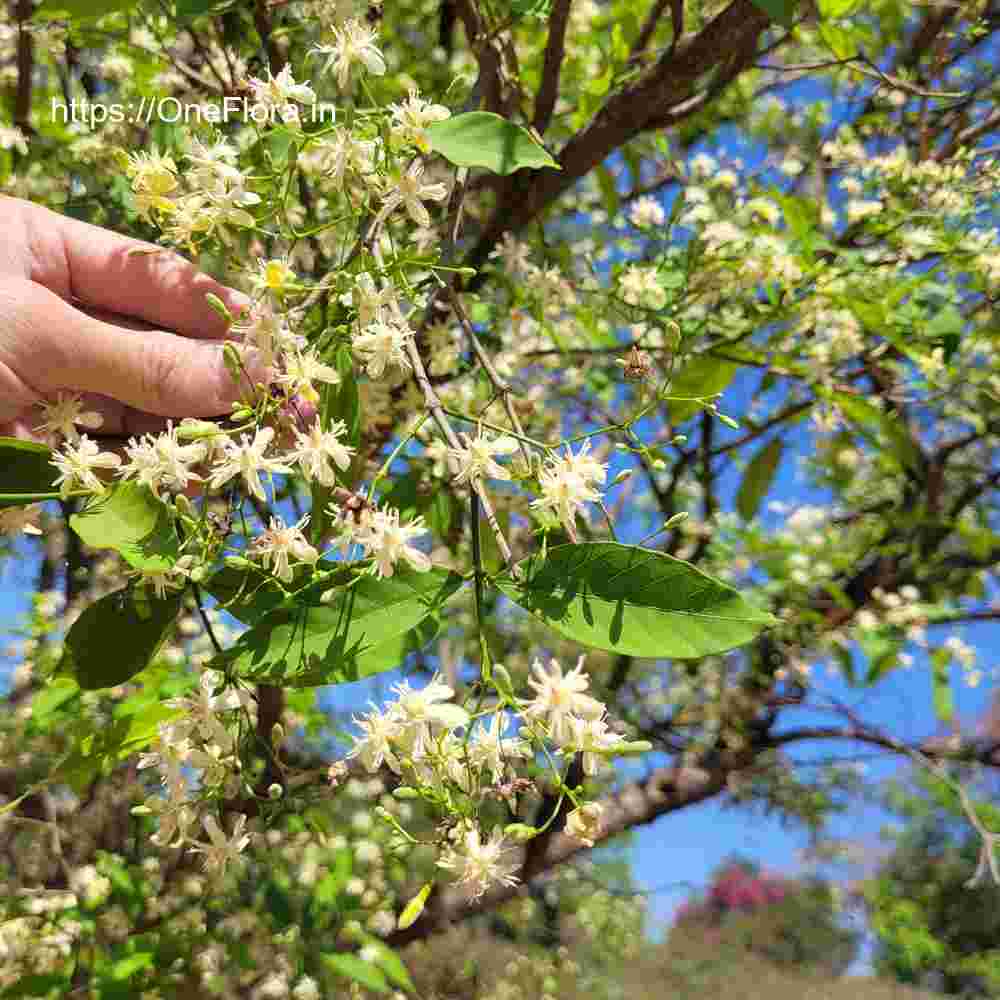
<point>277,734</point>
<point>502,678</point>
<point>219,307</point>
<point>405,792</point>
<point>275,791</point>
<point>520,832</point>
<point>621,477</point>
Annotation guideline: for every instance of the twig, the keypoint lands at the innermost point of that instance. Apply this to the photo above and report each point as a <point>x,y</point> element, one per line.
<point>437,412</point>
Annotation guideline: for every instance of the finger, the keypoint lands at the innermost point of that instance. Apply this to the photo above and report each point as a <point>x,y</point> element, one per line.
<point>102,269</point>
<point>156,372</point>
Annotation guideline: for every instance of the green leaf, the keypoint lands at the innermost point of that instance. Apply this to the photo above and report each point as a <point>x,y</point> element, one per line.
<point>415,907</point>
<point>55,694</point>
<point>531,8</point>
<point>40,985</point>
<point>758,478</point>
<point>390,963</point>
<point>117,636</point>
<point>782,11</point>
<point>483,139</point>
<point>881,429</point>
<point>80,10</point>
<point>25,468</point>
<point>882,647</point>
<point>195,8</point>
<point>246,595</point>
<point>99,750</point>
<point>359,971</point>
<point>130,520</point>
<point>634,601</point>
<point>838,8</point>
<point>358,632</point>
<point>944,698</point>
<point>127,967</point>
<point>701,377</point>
<point>840,41</point>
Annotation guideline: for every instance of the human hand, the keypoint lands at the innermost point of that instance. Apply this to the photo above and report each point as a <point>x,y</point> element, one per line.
<point>70,298</point>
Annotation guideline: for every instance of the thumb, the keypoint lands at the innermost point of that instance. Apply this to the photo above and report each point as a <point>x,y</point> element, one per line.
<point>151,370</point>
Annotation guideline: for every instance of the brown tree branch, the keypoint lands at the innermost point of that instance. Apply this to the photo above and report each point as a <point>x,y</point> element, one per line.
<point>555,50</point>
<point>657,93</point>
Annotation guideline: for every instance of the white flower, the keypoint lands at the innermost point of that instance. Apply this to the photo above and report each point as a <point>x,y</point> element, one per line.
<point>280,543</point>
<point>277,93</point>
<point>584,465</point>
<point>201,710</point>
<point>164,581</point>
<point>222,850</point>
<point>591,738</point>
<point>64,413</point>
<point>271,275</point>
<point>412,116</point>
<point>646,212</point>
<point>382,343</point>
<point>443,348</point>
<point>343,156</point>
<point>247,459</point>
<point>13,138</point>
<point>318,450</point>
<point>430,704</point>
<point>374,748</point>
<point>370,301</point>
<point>15,520</point>
<point>723,235</point>
<point>559,697</point>
<point>162,462</point>
<point>584,824</point>
<point>302,368</point>
<point>478,865</point>
<point>354,43</point>
<point>490,750</point>
<point>567,484</point>
<point>640,286</point>
<point>269,333</point>
<point>513,254</point>
<point>306,989</point>
<point>476,459</point>
<point>76,464</point>
<point>383,537</point>
<point>411,192</point>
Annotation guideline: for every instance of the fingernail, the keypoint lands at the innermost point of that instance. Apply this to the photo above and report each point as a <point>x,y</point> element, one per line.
<point>236,302</point>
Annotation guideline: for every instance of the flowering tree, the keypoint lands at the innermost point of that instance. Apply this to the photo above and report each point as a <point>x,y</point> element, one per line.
<point>790,922</point>
<point>543,301</point>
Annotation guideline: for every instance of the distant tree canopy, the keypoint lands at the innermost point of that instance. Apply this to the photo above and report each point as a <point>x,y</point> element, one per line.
<point>794,923</point>
<point>931,927</point>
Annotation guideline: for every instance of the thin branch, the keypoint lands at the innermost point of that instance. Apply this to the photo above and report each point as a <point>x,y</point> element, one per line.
<point>555,50</point>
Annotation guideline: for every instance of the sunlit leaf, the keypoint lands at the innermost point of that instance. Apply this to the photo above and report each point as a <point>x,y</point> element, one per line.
<point>484,139</point>
<point>359,630</point>
<point>635,601</point>
<point>758,478</point>
<point>130,520</point>
<point>117,636</point>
